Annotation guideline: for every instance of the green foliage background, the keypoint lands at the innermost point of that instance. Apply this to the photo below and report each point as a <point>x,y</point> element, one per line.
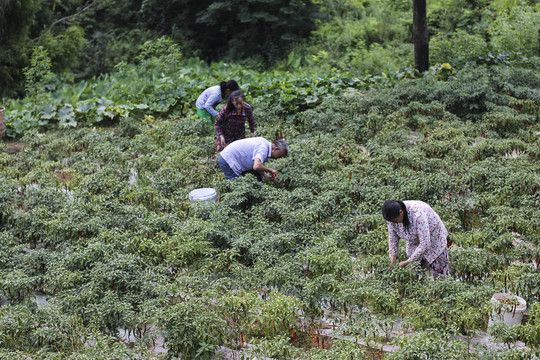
<point>98,219</point>
<point>86,39</point>
<point>95,216</point>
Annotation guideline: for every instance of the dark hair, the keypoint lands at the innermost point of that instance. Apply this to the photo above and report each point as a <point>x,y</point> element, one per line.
<point>232,85</point>
<point>228,85</point>
<point>234,95</point>
<point>223,86</point>
<point>390,211</point>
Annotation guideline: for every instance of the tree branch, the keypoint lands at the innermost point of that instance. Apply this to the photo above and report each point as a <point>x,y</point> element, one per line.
<point>71,16</point>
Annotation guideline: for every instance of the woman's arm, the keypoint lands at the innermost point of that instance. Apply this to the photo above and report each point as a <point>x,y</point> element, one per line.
<point>208,105</point>
<point>393,243</point>
<point>251,121</point>
<point>422,226</point>
<point>220,121</point>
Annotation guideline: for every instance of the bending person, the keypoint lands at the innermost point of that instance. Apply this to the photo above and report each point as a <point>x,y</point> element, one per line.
<point>231,121</point>
<point>207,101</point>
<point>422,229</point>
<point>249,155</point>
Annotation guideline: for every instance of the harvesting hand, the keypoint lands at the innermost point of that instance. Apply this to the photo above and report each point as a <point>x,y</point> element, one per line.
<point>404,263</point>
<point>393,259</point>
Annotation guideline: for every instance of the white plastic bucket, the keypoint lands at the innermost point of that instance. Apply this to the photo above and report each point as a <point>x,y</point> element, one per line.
<point>510,315</point>
<point>206,195</point>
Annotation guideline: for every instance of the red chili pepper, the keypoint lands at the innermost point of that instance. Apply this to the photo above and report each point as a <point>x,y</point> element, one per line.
<point>293,334</point>
<point>274,176</point>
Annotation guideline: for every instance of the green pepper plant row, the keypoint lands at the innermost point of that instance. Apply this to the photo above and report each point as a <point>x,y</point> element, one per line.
<point>111,250</point>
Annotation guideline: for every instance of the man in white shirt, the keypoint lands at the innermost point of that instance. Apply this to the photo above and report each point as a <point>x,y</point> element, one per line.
<point>248,156</point>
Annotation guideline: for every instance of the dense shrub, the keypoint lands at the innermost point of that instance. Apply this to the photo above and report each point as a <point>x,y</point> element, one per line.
<point>97,219</point>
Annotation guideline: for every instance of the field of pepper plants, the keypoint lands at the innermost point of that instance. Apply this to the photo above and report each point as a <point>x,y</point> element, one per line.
<point>103,256</point>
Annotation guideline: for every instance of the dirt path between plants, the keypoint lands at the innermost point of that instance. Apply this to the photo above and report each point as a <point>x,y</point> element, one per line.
<point>12,147</point>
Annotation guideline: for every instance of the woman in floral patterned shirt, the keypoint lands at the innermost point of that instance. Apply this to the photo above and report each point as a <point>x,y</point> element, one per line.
<point>422,229</point>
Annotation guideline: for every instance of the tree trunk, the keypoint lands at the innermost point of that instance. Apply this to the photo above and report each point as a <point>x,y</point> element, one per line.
<point>2,123</point>
<point>420,36</point>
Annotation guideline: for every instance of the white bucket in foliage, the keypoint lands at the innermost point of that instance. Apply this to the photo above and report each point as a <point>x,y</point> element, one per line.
<point>207,195</point>
<point>507,308</point>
